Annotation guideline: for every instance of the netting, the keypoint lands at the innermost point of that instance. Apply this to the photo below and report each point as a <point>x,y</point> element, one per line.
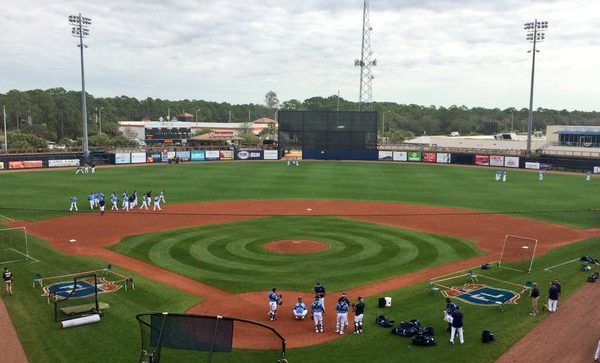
<point>168,337</point>
<point>13,245</point>
<point>77,298</point>
<point>518,253</point>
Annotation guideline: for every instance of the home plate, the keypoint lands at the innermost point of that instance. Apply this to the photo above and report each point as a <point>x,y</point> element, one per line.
<point>72,240</point>
<point>308,208</point>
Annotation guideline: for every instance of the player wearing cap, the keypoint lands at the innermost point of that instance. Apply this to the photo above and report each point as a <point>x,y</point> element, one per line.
<point>300,310</point>
<point>317,314</point>
<point>342,315</point>
<point>359,310</point>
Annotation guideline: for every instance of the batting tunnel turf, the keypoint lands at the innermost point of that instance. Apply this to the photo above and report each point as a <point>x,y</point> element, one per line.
<point>231,256</point>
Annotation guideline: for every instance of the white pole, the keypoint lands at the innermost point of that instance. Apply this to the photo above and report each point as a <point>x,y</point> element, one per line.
<point>100,120</point>
<point>5,137</point>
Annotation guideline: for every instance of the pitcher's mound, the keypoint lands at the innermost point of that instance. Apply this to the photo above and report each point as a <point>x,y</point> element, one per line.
<point>295,246</point>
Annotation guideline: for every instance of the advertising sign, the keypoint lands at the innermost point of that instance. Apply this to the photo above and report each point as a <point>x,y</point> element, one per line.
<point>532,165</point>
<point>414,156</point>
<point>482,160</point>
<point>123,158</point>
<point>212,154</point>
<point>511,161</point>
<point>1,165</point>
<point>62,163</point>
<point>184,155</point>
<point>386,155</point>
<point>400,156</point>
<point>270,155</point>
<point>226,154</point>
<point>596,169</point>
<point>138,158</point>
<point>248,155</point>
<point>197,155</point>
<point>429,157</point>
<point>27,164</point>
<point>164,156</point>
<point>443,158</point>
<point>496,160</point>
<point>171,155</point>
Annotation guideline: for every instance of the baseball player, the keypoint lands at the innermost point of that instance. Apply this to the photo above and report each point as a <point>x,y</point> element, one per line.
<point>320,292</point>
<point>317,314</point>
<point>7,275</point>
<point>131,202</point>
<point>504,176</point>
<point>342,316</point>
<point>588,176</point>
<point>125,200</point>
<point>135,198</point>
<point>162,196</point>
<point>149,198</point>
<point>498,175</point>
<point>144,203</point>
<point>102,203</point>
<point>85,168</point>
<point>114,200</point>
<point>156,203</point>
<point>273,302</point>
<point>91,198</point>
<point>96,199</point>
<point>359,311</point>
<point>345,298</point>
<point>78,170</point>
<point>93,168</point>
<point>73,204</point>
<point>300,310</point>
<point>541,175</point>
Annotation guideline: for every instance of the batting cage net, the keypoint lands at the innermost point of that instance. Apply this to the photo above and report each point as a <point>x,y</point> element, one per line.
<point>77,298</point>
<point>13,245</point>
<point>518,253</point>
<point>173,337</point>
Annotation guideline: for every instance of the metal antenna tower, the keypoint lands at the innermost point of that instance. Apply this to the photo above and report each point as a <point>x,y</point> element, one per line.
<point>366,63</point>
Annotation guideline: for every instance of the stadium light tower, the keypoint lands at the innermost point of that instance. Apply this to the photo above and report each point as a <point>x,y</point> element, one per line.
<point>366,63</point>
<point>81,29</point>
<point>536,32</point>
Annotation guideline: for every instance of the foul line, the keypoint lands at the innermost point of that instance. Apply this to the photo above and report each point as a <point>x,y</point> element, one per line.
<point>5,217</point>
<point>560,264</point>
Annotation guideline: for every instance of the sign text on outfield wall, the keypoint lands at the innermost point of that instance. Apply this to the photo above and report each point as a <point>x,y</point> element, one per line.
<point>443,158</point>
<point>121,158</point>
<point>270,154</point>
<point>63,162</point>
<point>386,155</point>
<point>248,155</point>
<point>511,161</point>
<point>414,156</point>
<point>400,156</point>
<point>138,158</point>
<point>496,160</point>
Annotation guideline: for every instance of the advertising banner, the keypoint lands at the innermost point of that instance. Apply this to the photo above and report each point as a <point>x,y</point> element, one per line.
<point>429,157</point>
<point>171,155</point>
<point>138,158</point>
<point>270,154</point>
<point>27,164</point>
<point>123,158</point>
<point>596,169</point>
<point>386,155</point>
<point>164,156</point>
<point>197,155</point>
<point>226,154</point>
<point>62,163</point>
<point>248,155</point>
<point>400,156</point>
<point>532,165</point>
<point>496,160</point>
<point>443,158</point>
<point>482,160</point>
<point>1,165</point>
<point>511,161</point>
<point>212,154</point>
<point>414,156</point>
<point>184,155</point>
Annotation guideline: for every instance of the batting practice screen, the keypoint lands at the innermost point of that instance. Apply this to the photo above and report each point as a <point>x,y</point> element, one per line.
<point>327,130</point>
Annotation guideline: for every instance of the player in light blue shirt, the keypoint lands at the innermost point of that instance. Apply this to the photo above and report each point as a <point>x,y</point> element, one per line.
<point>73,204</point>
<point>300,310</point>
<point>317,312</point>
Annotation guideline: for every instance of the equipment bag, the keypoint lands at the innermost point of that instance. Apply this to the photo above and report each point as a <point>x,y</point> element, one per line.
<point>381,302</point>
<point>383,321</point>
<point>407,329</point>
<point>487,336</point>
<point>593,277</point>
<point>423,340</point>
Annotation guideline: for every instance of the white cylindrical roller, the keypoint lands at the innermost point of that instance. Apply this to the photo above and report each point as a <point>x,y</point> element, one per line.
<point>80,321</point>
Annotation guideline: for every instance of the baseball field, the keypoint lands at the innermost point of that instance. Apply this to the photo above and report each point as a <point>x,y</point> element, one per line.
<point>231,231</point>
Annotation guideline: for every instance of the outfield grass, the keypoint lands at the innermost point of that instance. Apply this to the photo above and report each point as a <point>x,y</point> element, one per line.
<point>467,187</point>
<point>116,338</point>
<point>231,257</point>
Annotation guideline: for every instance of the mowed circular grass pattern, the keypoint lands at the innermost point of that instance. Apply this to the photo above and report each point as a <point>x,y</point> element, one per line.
<point>231,256</point>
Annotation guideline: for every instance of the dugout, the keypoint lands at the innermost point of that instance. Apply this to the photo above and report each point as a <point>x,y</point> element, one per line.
<point>345,134</point>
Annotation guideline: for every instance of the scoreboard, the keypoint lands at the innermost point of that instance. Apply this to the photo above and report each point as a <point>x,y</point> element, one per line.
<point>167,135</point>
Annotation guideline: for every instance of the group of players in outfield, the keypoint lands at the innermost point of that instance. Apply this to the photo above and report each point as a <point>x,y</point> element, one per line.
<point>129,201</point>
<point>317,309</point>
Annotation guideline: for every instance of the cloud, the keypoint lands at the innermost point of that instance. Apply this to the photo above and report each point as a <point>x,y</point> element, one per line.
<point>437,52</point>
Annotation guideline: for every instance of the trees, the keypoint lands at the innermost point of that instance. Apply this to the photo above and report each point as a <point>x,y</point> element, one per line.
<point>271,100</point>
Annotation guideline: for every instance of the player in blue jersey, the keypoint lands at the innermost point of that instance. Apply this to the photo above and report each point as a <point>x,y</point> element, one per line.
<point>588,176</point>
<point>541,175</point>
<point>316,309</point>
<point>300,310</point>
<point>498,175</point>
<point>274,300</point>
<point>162,196</point>
<point>341,321</point>
<point>73,204</point>
<point>156,203</point>
<point>125,204</point>
<point>91,199</point>
<point>114,200</point>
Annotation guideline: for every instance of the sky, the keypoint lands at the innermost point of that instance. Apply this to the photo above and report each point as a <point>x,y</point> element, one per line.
<point>429,52</point>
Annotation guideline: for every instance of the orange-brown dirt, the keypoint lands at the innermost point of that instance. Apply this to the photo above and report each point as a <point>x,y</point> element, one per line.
<point>93,232</point>
<point>295,246</point>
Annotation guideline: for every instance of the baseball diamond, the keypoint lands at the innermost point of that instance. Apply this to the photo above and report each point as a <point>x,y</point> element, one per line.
<point>214,257</point>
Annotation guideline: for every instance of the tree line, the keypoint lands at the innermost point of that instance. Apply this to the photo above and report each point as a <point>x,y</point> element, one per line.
<point>37,116</point>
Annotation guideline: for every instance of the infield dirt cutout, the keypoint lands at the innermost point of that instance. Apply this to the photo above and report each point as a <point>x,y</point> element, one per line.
<point>94,232</point>
<point>296,246</point>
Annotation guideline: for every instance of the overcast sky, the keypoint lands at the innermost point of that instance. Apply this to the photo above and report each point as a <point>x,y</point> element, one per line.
<point>429,52</point>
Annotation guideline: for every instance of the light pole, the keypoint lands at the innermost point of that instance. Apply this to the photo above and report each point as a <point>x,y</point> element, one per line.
<point>100,111</point>
<point>80,29</point>
<point>5,137</point>
<point>197,114</point>
<point>535,33</point>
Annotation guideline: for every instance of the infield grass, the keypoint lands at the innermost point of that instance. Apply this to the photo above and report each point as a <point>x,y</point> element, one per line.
<point>43,194</point>
<point>230,256</point>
